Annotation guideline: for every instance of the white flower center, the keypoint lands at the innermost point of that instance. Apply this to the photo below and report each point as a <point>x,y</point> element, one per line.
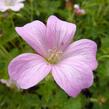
<point>54,56</point>
<point>10,2</point>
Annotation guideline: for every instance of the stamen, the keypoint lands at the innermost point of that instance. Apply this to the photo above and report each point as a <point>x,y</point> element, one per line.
<point>54,56</point>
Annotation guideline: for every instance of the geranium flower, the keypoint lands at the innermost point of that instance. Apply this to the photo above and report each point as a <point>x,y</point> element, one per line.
<point>14,5</point>
<point>71,64</point>
<point>78,11</point>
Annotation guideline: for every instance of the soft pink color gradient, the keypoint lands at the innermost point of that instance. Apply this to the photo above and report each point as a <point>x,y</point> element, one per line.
<point>73,72</point>
<point>14,5</point>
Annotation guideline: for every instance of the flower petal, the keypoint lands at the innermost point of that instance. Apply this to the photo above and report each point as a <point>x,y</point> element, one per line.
<point>1,2</point>
<point>3,8</point>
<point>59,33</point>
<point>72,75</point>
<point>17,6</point>
<point>28,70</point>
<point>86,49</point>
<point>18,1</point>
<point>34,34</point>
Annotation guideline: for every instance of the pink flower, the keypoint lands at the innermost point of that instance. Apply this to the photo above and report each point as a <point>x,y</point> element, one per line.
<point>71,64</point>
<point>14,5</point>
<point>78,11</point>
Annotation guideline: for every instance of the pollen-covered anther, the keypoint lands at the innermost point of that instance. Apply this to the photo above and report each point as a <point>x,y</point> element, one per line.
<point>54,56</point>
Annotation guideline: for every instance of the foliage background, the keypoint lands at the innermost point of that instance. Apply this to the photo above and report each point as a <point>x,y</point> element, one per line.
<point>47,95</point>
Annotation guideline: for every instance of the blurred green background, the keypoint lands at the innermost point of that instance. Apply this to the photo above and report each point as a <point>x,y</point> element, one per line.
<point>47,95</point>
